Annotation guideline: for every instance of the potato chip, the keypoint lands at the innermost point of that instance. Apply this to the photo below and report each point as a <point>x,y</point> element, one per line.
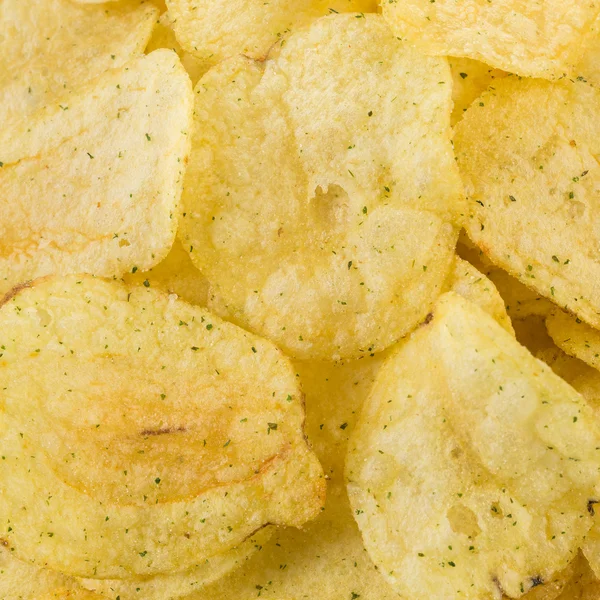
<point>326,560</point>
<point>342,248</point>
<point>171,586</point>
<point>583,584</point>
<point>532,186</point>
<point>470,79</point>
<point>172,438</point>
<point>542,38</point>
<point>589,67</point>
<point>94,186</point>
<point>22,581</point>
<point>472,464</point>
<point>213,30</point>
<point>176,274</point>
<point>575,337</point>
<point>48,48</point>
<point>473,285</point>
<point>163,36</point>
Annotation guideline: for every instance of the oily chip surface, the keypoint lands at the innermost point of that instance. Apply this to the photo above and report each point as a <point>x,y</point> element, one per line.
<point>132,411</point>
<point>342,248</point>
<point>213,30</point>
<point>528,153</point>
<point>537,38</point>
<point>93,185</point>
<point>49,48</point>
<point>472,464</point>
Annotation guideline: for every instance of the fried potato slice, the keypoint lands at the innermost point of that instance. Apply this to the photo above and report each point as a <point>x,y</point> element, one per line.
<point>472,464</point>
<point>473,285</point>
<point>163,36</point>
<point>583,585</point>
<point>170,425</point>
<point>171,586</point>
<point>535,39</point>
<point>589,67</point>
<point>21,581</point>
<point>213,30</point>
<point>48,48</point>
<point>529,160</point>
<point>94,186</point>
<point>470,78</point>
<point>343,250</point>
<point>326,559</point>
<point>176,274</point>
<point>575,337</point>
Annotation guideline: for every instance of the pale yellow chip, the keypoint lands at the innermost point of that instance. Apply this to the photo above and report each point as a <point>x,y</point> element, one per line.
<point>473,285</point>
<point>589,67</point>
<point>176,274</point>
<point>163,36</point>
<point>532,186</point>
<point>49,48</point>
<point>322,186</point>
<point>326,560</point>
<point>213,30</point>
<point>583,585</point>
<point>171,586</point>
<point>470,79</point>
<point>537,38</point>
<point>165,434</point>
<point>94,185</point>
<point>575,337</point>
<point>20,580</point>
<point>472,464</point>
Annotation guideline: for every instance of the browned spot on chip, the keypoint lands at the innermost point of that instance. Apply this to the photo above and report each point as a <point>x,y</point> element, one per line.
<point>163,431</point>
<point>10,295</point>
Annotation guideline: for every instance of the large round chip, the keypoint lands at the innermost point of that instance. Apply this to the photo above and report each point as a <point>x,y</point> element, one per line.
<point>93,185</point>
<point>142,435</point>
<point>322,186</point>
<point>48,48</point>
<point>528,152</point>
<point>472,465</point>
<point>536,38</point>
<point>213,30</point>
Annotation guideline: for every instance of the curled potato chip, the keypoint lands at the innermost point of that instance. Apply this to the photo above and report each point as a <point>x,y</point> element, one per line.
<point>163,36</point>
<point>583,584</point>
<point>181,430</point>
<point>94,186</point>
<point>536,39</point>
<point>20,580</point>
<point>473,285</point>
<point>470,79</point>
<point>176,274</point>
<point>326,559</point>
<point>171,586</point>
<point>342,249</point>
<point>532,186</point>
<point>575,337</point>
<point>48,48</point>
<point>472,464</point>
<point>213,30</point>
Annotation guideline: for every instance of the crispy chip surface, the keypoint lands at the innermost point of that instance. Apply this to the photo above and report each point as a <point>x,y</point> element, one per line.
<point>470,79</point>
<point>342,248</point>
<point>327,559</point>
<point>171,586</point>
<point>528,157</point>
<point>94,186</point>
<point>48,48</point>
<point>181,430</point>
<point>473,285</point>
<point>163,36</point>
<point>575,337</point>
<point>535,38</point>
<point>213,30</point>
<point>472,463</point>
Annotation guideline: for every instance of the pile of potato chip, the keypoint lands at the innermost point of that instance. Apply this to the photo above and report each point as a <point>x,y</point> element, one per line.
<point>301,299</point>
